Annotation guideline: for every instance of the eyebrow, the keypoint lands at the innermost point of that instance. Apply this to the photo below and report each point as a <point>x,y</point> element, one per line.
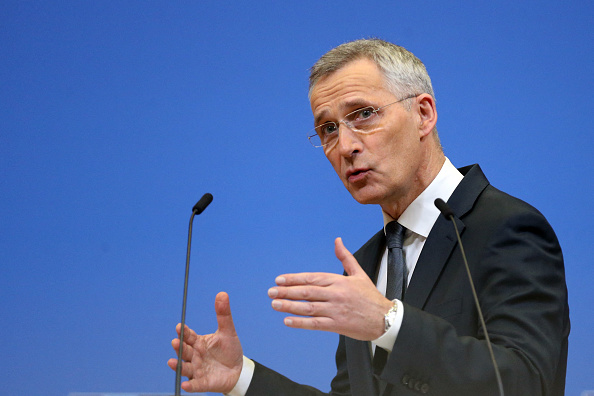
<point>352,104</point>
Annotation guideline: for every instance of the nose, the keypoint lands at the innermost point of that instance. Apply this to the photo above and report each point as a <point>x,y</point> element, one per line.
<point>348,141</point>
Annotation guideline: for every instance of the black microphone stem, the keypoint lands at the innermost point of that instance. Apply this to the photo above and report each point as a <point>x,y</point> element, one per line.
<point>448,213</point>
<point>183,317</point>
<point>480,312</point>
<point>197,209</point>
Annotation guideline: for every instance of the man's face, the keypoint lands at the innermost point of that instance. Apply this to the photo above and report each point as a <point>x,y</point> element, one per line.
<point>383,167</point>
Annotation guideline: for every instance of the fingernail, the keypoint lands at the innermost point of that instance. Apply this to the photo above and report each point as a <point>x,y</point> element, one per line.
<point>288,322</point>
<point>276,304</point>
<point>272,292</point>
<point>280,280</point>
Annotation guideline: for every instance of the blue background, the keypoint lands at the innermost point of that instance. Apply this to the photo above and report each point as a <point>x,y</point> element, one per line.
<point>116,116</point>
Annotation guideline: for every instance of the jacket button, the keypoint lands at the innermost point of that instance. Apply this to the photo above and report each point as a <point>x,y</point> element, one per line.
<point>425,388</point>
<point>405,380</point>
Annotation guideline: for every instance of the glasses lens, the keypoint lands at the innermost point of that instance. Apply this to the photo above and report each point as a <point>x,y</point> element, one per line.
<point>314,138</point>
<point>323,135</point>
<point>363,120</point>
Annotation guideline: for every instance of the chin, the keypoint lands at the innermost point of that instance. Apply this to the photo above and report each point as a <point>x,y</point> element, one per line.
<point>364,197</point>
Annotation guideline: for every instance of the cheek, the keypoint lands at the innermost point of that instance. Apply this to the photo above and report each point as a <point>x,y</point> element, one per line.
<point>335,162</point>
<point>403,146</point>
<point>398,158</point>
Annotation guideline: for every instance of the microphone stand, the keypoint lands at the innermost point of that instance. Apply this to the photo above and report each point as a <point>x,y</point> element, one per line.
<point>196,210</point>
<point>448,213</point>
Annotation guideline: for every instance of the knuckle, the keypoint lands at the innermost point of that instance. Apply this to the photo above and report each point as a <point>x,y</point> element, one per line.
<point>315,324</point>
<point>310,309</point>
<point>306,293</point>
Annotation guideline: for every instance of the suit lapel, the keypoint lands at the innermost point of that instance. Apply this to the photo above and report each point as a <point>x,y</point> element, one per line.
<point>437,249</point>
<point>442,238</point>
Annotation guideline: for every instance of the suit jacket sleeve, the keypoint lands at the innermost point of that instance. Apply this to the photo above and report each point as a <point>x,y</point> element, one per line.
<point>268,382</point>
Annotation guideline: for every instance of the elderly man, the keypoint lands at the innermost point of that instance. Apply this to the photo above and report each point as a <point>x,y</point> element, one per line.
<point>404,307</point>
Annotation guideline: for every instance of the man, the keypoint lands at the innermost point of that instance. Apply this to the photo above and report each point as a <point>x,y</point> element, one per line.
<point>375,116</point>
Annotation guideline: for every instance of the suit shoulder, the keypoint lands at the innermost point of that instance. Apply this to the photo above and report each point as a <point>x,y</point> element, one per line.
<point>501,204</point>
<point>476,195</point>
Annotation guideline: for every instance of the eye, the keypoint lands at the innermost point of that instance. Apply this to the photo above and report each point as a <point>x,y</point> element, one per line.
<point>364,113</point>
<point>361,117</point>
<point>327,129</point>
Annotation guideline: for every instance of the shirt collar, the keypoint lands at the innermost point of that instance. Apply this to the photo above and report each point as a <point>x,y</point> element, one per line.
<point>421,214</point>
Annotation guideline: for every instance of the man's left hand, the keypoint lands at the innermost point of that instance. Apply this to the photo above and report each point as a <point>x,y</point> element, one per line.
<point>350,305</point>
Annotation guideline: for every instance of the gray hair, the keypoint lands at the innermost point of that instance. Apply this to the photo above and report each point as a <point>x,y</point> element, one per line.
<point>405,73</point>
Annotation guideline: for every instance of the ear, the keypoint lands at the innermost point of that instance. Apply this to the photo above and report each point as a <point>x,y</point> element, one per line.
<point>427,114</point>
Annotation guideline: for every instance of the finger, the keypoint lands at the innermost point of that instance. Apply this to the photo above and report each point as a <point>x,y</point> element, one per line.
<point>298,293</point>
<point>323,324</point>
<point>190,335</point>
<point>188,386</point>
<point>305,278</point>
<point>223,311</point>
<point>313,309</point>
<point>349,262</point>
<point>172,363</point>
<point>187,352</point>
<point>193,386</point>
<point>187,368</point>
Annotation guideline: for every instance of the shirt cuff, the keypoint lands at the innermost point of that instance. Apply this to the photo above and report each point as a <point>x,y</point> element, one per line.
<point>387,340</point>
<point>245,378</point>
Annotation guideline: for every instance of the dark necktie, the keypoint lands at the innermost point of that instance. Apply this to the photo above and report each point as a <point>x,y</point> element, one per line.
<point>397,273</point>
<point>396,280</point>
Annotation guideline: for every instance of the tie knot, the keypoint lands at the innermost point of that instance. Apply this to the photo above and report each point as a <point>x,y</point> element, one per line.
<point>394,235</point>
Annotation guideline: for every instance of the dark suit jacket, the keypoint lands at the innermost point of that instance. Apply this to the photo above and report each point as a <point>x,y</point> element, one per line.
<point>518,271</point>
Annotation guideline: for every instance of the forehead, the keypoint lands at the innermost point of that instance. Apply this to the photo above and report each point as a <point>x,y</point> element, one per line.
<point>358,83</point>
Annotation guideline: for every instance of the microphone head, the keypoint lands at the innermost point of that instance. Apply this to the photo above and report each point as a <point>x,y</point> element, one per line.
<point>444,208</point>
<point>202,204</point>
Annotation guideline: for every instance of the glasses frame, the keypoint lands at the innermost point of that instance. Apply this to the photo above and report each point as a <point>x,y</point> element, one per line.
<point>348,123</point>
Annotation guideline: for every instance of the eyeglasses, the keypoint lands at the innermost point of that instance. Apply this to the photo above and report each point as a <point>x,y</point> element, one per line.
<point>363,121</point>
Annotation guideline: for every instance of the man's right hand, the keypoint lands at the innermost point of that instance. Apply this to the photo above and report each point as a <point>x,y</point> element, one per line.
<point>213,362</point>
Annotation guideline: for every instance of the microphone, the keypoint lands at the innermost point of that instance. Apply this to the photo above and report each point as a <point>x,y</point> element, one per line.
<point>448,213</point>
<point>202,204</point>
<point>196,210</point>
<point>444,208</point>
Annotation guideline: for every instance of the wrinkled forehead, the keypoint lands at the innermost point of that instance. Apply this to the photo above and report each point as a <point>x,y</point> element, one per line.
<point>325,72</point>
<point>357,84</point>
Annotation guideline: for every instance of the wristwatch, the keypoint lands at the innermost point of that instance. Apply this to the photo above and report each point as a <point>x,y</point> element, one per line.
<point>390,317</point>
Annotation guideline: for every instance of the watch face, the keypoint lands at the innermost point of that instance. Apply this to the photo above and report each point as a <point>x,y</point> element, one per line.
<point>390,317</point>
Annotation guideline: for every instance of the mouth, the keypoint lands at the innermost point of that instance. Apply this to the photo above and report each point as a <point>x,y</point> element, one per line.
<point>355,175</point>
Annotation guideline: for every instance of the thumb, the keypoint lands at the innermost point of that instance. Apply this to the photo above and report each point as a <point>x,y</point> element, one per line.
<point>223,311</point>
<point>349,262</point>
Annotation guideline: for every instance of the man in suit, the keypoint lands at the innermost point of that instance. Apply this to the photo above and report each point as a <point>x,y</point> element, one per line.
<point>375,116</point>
